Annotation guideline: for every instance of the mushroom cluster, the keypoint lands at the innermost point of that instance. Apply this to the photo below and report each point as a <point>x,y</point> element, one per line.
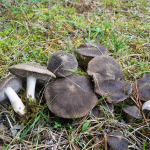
<point>69,94</point>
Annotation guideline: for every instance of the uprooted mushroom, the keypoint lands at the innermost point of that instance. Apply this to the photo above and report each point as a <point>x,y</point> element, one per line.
<point>70,97</point>
<point>31,72</point>
<point>9,87</point>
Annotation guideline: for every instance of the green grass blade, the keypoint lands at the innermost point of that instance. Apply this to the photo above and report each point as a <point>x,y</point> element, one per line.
<point>44,117</point>
<point>29,128</point>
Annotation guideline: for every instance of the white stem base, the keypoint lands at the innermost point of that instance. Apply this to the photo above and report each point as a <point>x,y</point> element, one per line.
<point>16,102</point>
<point>31,82</point>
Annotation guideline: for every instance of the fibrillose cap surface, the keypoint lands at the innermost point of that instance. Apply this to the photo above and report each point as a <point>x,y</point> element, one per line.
<point>91,49</point>
<point>106,66</point>
<point>115,90</point>
<point>143,86</point>
<point>70,97</point>
<point>117,141</point>
<point>31,69</point>
<point>12,82</point>
<point>60,63</point>
<point>133,111</point>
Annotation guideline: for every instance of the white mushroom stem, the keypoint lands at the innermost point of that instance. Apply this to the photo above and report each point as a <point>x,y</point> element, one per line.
<point>146,105</point>
<point>15,101</point>
<point>31,82</point>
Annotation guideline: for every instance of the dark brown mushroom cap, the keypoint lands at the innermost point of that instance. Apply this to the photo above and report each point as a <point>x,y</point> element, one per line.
<point>91,49</point>
<point>133,111</point>
<point>70,97</point>
<point>61,62</point>
<point>105,66</point>
<point>117,141</point>
<point>143,86</point>
<point>115,90</point>
<point>32,69</point>
<point>12,82</point>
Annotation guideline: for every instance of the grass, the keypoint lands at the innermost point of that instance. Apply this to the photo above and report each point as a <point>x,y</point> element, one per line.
<point>33,30</point>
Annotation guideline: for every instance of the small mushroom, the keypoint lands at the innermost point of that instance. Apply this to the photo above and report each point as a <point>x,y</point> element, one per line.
<point>99,111</point>
<point>70,97</point>
<point>90,50</point>
<point>117,141</point>
<point>106,66</point>
<point>60,63</point>
<point>114,90</point>
<point>8,89</point>
<point>33,72</point>
<point>146,105</point>
<point>143,86</point>
<point>132,113</point>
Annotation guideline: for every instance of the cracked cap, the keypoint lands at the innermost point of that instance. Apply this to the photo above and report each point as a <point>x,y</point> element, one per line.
<point>115,90</point>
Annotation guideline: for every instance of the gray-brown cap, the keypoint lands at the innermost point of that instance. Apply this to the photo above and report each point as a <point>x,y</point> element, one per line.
<point>133,111</point>
<point>117,141</point>
<point>115,90</point>
<point>106,66</point>
<point>10,81</point>
<point>41,73</point>
<point>91,49</point>
<point>8,89</point>
<point>143,86</point>
<point>70,97</point>
<point>88,50</point>
<point>33,72</point>
<point>60,63</point>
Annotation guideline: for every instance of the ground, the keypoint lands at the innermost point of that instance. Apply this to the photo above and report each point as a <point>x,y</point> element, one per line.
<point>32,30</point>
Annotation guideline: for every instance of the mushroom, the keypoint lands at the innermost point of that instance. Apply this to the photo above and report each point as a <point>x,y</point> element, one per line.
<point>117,141</point>
<point>106,67</point>
<point>8,89</point>
<point>132,113</point>
<point>143,87</point>
<point>60,63</point>
<point>90,50</point>
<point>146,105</point>
<point>33,72</point>
<point>99,111</point>
<point>70,97</point>
<point>114,90</point>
